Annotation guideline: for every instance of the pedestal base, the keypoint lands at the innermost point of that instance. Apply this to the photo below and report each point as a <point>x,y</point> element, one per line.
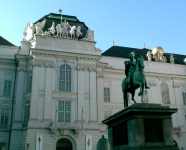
<point>142,127</point>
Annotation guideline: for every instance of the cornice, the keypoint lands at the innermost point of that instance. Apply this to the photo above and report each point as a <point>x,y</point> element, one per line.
<point>113,71</point>
<point>46,65</point>
<point>88,58</point>
<point>7,62</point>
<point>44,54</point>
<point>21,69</point>
<point>86,69</point>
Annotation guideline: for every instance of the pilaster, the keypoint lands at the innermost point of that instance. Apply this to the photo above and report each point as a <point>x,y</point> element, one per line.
<point>34,94</point>
<point>93,103</point>
<point>80,92</point>
<point>17,124</point>
<point>48,91</point>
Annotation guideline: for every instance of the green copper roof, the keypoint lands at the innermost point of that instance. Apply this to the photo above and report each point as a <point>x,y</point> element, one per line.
<point>64,17</point>
<point>5,42</point>
<point>57,17</point>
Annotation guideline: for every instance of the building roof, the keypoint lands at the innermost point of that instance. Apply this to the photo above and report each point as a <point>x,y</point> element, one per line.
<point>5,42</point>
<point>72,20</point>
<point>123,52</point>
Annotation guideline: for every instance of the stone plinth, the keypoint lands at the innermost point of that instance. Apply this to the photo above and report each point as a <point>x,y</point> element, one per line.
<point>141,126</point>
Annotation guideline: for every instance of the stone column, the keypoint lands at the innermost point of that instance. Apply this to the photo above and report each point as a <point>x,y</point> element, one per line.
<point>93,96</point>
<point>17,124</point>
<point>80,91</point>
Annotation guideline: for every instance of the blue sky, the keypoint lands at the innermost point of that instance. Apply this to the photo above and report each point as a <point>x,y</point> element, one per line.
<point>130,23</point>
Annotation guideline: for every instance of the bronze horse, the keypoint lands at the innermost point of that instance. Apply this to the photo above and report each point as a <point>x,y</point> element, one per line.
<point>137,80</point>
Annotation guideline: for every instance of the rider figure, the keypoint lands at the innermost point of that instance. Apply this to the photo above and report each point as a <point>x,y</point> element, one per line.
<point>129,68</point>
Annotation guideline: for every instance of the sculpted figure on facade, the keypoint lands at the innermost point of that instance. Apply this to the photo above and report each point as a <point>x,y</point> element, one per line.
<point>89,35</point>
<point>65,27</point>
<point>160,57</point>
<point>59,30</point>
<point>78,32</point>
<point>39,26</point>
<point>171,59</point>
<point>52,29</point>
<point>29,32</point>
<point>149,55</point>
<point>72,31</point>
<point>47,33</point>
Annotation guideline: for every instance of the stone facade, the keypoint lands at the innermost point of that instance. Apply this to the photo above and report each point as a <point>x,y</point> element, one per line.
<point>37,90</point>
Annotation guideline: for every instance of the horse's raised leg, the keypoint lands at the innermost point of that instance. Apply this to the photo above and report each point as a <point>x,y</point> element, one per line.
<point>133,93</point>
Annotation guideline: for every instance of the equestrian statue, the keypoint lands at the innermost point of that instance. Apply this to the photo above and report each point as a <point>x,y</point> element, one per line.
<point>135,78</point>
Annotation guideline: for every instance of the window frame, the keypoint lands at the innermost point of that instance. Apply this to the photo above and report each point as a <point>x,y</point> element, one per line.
<point>8,88</point>
<point>106,94</point>
<point>29,82</point>
<point>184,100</point>
<point>26,111</point>
<point>6,108</point>
<point>160,87</point>
<point>64,111</point>
<point>64,81</point>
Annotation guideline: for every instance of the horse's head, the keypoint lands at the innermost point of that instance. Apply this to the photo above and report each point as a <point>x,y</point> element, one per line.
<point>140,62</point>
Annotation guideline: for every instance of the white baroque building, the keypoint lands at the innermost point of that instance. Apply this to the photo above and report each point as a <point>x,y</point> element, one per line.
<point>55,74</point>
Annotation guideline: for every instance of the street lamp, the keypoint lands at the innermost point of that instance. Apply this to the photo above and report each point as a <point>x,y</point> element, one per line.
<point>60,11</point>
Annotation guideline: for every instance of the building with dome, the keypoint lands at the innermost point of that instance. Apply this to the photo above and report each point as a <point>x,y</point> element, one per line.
<point>56,88</point>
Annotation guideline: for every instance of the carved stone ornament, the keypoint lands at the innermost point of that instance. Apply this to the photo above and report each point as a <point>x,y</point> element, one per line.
<point>29,32</point>
<point>39,26</point>
<point>89,35</point>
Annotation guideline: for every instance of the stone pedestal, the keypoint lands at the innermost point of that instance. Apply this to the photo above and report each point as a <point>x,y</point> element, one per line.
<point>141,126</point>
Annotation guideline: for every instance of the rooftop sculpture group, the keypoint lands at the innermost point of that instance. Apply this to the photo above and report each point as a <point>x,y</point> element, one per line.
<point>157,54</point>
<point>63,30</point>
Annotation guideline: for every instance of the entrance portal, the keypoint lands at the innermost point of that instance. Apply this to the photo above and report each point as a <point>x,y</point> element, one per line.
<point>63,144</point>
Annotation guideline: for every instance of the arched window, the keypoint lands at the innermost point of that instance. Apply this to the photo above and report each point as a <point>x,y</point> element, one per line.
<point>165,94</point>
<point>65,78</point>
<point>29,81</point>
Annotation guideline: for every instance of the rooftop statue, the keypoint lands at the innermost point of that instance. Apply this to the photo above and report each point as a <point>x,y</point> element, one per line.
<point>29,32</point>
<point>149,55</point>
<point>171,59</point>
<point>39,26</point>
<point>135,78</point>
<point>52,29</point>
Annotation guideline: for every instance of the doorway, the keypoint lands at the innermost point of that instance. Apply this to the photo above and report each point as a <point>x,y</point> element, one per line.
<point>63,144</point>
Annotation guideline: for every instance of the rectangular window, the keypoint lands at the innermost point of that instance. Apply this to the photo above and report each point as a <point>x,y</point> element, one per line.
<point>64,110</point>
<point>106,94</point>
<point>7,84</point>
<point>4,114</point>
<point>145,97</point>
<point>184,98</point>
<point>29,81</point>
